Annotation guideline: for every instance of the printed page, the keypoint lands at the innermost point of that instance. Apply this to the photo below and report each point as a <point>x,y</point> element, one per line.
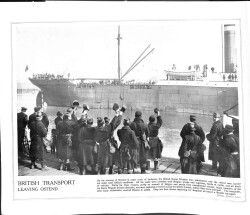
<point>126,106</point>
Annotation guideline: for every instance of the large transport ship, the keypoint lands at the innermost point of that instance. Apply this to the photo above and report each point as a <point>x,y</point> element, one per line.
<point>186,95</point>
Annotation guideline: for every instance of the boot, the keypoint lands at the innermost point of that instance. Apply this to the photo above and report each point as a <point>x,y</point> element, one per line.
<point>106,171</point>
<point>111,170</point>
<point>68,168</point>
<point>60,166</point>
<point>44,167</point>
<point>156,165</point>
<point>33,165</point>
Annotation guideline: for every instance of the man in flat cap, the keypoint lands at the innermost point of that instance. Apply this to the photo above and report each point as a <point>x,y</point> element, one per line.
<point>214,138</point>
<point>229,154</point>
<point>102,136</point>
<point>155,143</point>
<point>22,121</point>
<point>37,132</point>
<point>198,131</point>
<point>128,158</point>
<point>141,131</point>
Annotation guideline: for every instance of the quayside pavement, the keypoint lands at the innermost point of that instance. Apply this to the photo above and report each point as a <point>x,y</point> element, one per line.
<point>166,165</point>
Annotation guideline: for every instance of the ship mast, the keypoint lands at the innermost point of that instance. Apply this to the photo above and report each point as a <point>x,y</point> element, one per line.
<point>119,68</point>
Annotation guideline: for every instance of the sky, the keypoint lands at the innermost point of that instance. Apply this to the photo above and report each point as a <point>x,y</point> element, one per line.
<point>89,49</point>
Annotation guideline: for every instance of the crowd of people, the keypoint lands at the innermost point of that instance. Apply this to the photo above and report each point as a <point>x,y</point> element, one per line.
<point>47,76</point>
<point>223,147</point>
<point>131,83</point>
<point>94,149</point>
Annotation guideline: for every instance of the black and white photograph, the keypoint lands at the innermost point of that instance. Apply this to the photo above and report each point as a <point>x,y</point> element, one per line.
<point>124,107</point>
<point>149,97</point>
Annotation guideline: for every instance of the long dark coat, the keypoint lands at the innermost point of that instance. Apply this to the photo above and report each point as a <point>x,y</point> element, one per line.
<point>37,132</point>
<point>191,143</point>
<point>22,121</point>
<point>129,147</point>
<point>154,141</point>
<point>57,119</point>
<point>214,137</point>
<point>102,136</point>
<point>198,131</point>
<point>65,129</point>
<point>229,157</point>
<point>86,138</point>
<point>141,131</point>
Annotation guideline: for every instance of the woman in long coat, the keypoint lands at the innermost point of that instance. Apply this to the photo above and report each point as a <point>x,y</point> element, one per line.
<point>37,132</point>
<point>65,130</point>
<point>102,136</point>
<point>129,156</point>
<point>86,138</point>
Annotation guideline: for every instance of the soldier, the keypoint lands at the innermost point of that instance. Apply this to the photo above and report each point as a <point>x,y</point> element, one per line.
<point>65,130</point>
<point>54,133</point>
<point>190,149</point>
<point>129,156</point>
<point>229,157</point>
<point>141,131</point>
<point>87,143</point>
<point>45,119</point>
<point>22,121</point>
<point>37,132</point>
<point>198,131</point>
<point>155,143</point>
<point>214,137</point>
<point>102,136</point>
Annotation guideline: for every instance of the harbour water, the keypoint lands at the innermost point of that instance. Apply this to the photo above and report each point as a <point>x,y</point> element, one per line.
<point>169,132</point>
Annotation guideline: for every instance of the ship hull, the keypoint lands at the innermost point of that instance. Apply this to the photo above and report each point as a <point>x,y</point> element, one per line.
<point>179,98</point>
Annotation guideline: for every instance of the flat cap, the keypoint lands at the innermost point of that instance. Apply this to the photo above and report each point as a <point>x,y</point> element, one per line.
<point>23,108</point>
<point>138,113</point>
<point>37,108</point>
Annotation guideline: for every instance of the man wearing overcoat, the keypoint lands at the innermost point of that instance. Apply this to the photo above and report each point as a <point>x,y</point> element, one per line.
<point>37,132</point>
<point>22,121</point>
<point>141,131</point>
<point>214,138</point>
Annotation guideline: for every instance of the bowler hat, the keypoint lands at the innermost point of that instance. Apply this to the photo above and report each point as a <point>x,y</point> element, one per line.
<point>151,118</point>
<point>216,115</point>
<point>138,113</point>
<point>228,129</point>
<point>85,107</point>
<point>75,103</point>
<point>115,107</point>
